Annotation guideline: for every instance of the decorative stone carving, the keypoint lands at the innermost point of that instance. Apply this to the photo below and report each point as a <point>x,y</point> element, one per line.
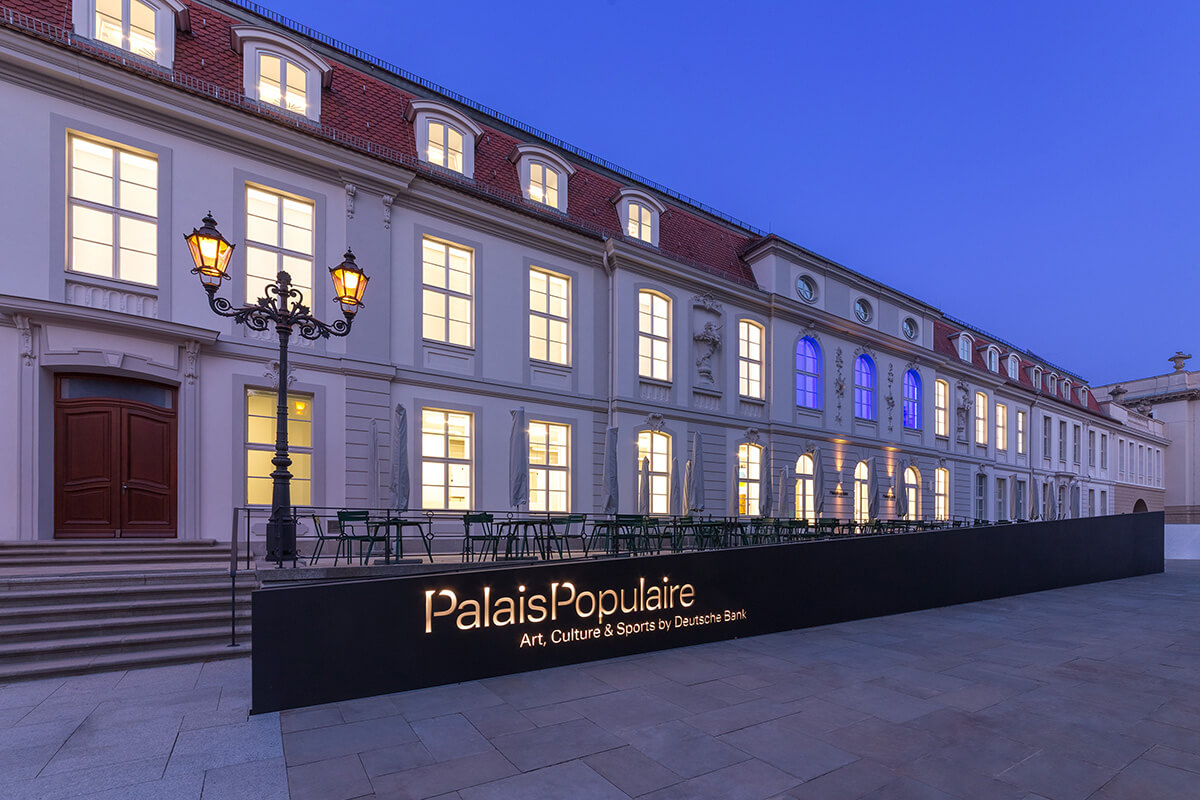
<point>351,192</point>
<point>751,410</point>
<point>655,421</point>
<point>752,436</point>
<point>865,349</point>
<point>191,361</point>
<point>387,211</point>
<point>708,342</point>
<point>708,303</point>
<point>963,408</point>
<point>112,299</point>
<point>1117,393</point>
<point>839,383</point>
<point>706,338</point>
<point>654,392</point>
<point>1179,359</point>
<point>706,402</point>
<point>810,332</point>
<point>272,374</point>
<point>25,332</point>
<point>891,399</point>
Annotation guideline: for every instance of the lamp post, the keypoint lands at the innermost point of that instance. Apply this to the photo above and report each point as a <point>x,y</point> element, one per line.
<point>282,306</point>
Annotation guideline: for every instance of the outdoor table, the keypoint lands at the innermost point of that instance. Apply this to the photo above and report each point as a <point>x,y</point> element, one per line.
<point>515,531</point>
<point>398,524</point>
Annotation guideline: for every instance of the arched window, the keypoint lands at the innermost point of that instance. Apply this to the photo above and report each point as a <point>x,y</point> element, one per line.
<point>543,175</point>
<point>912,492</point>
<point>912,400</point>
<point>941,406</point>
<point>639,213</point>
<point>654,336</point>
<point>749,478</point>
<point>981,418</point>
<point>279,71</point>
<point>864,387</point>
<point>808,373</point>
<point>656,447</point>
<point>862,498</point>
<point>941,493</point>
<point>806,505</point>
<point>750,359</point>
<point>145,28</point>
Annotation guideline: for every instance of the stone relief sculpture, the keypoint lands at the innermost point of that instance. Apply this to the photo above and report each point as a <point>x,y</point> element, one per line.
<point>891,398</point>
<point>708,341</point>
<point>839,384</point>
<point>963,409</point>
<point>706,336</point>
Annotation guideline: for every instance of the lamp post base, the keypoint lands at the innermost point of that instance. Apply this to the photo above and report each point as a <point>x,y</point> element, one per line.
<point>281,540</point>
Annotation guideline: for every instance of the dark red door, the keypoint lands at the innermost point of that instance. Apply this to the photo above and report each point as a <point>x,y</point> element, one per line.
<point>114,458</point>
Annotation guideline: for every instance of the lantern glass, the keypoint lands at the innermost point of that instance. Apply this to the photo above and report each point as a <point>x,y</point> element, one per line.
<point>349,284</point>
<point>210,252</point>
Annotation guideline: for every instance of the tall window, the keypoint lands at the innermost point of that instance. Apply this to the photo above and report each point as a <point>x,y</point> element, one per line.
<point>549,317</point>
<point>1121,457</point>
<point>862,498</point>
<point>981,418</point>
<point>749,478</point>
<point>981,496</point>
<point>1019,499</point>
<point>260,446</point>
<point>446,293</point>
<point>1091,512</point>
<point>750,358</point>
<point>641,222</point>
<point>1001,426</point>
<point>279,236</point>
<point>1091,448</point>
<point>127,24</point>
<point>1104,451</point>
<point>1047,438</point>
<point>941,403</point>
<point>806,500</point>
<point>549,466</point>
<point>1021,432</point>
<point>445,146</point>
<point>1001,498</point>
<point>964,347</point>
<point>113,212</point>
<point>445,459</point>
<point>282,83</point>
<point>1141,463</point>
<point>1076,444</point>
<point>941,493</point>
<point>1062,440</point>
<point>912,491</point>
<point>808,373</point>
<point>656,447</point>
<point>543,184</point>
<point>993,359</point>
<point>864,387</point>
<point>654,336</point>
<point>1103,502</point>
<point>912,400</point>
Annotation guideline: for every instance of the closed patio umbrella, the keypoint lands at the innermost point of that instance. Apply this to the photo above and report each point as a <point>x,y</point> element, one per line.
<point>873,490</point>
<point>766,500</point>
<point>676,500</point>
<point>818,484</point>
<point>518,460</point>
<point>1012,498</point>
<point>901,492</point>
<point>1035,499</point>
<point>400,487</point>
<point>644,486</point>
<point>608,478</point>
<point>1051,502</point>
<point>689,483</point>
<point>696,498</point>
<point>787,494</point>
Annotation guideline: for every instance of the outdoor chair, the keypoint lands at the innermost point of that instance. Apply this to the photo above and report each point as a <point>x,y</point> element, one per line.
<point>558,533</point>
<point>357,526</point>
<point>485,538</point>
<point>335,533</point>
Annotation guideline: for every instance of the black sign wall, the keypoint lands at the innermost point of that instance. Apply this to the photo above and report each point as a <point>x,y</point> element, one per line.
<point>318,643</point>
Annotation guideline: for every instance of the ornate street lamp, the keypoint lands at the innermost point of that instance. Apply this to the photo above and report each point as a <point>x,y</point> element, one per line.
<point>281,306</point>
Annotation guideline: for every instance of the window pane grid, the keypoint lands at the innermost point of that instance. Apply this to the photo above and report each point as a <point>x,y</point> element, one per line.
<point>260,446</point>
<point>640,223</point>
<point>281,82</point>
<point>941,493</point>
<point>445,459</point>
<point>862,508</point>
<point>808,374</point>
<point>127,24</point>
<point>549,466</point>
<point>543,184</point>
<point>981,418</point>
<point>749,479</point>
<point>654,339</point>
<point>806,507</point>
<point>549,320</point>
<point>864,388</point>
<point>1001,427</point>
<point>446,300</point>
<point>279,236</point>
<point>750,363</point>
<point>912,400</point>
<point>941,399</point>
<point>656,446</point>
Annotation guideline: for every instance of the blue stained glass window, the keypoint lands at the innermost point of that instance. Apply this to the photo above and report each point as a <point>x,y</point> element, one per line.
<point>808,374</point>
<point>912,400</point>
<point>864,387</point>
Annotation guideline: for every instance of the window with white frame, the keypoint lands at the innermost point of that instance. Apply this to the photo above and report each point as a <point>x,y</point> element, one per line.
<point>261,407</point>
<point>445,137</point>
<point>1052,381</point>
<point>1091,448</point>
<point>808,373</point>
<point>993,359</point>
<point>1066,389</point>
<point>941,407</point>
<point>1020,432</point>
<point>1141,462</point>
<point>1001,426</point>
<point>282,82</point>
<point>941,493</point>
<point>862,492</point>
<point>446,292</point>
<point>1037,378</point>
<point>654,336</point>
<point>750,359</point>
<point>1062,440</point>
<point>1019,499</point>
<point>112,215</point>
<point>1047,438</point>
<point>281,72</point>
<point>912,492</point>
<point>1083,395</point>
<point>1121,458</point>
<point>444,146</point>
<point>639,224</point>
<point>1001,499</point>
<point>981,418</point>
<point>1014,367</point>
<point>654,449</point>
<point>749,479</point>
<point>806,499</point>
<point>1103,502</point>
<point>964,347</point>
<point>981,496</point>
<point>543,183</point>
<point>445,459</point>
<point>864,387</point>
<point>549,317</point>
<point>145,28</point>
<point>543,175</point>
<point>279,236</point>
<point>911,404</point>
<point>639,213</point>
<point>1091,512</point>
<point>549,466</point>
<point>1104,451</point>
<point>1076,443</point>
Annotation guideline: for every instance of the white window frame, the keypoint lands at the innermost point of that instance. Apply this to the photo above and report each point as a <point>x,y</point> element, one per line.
<point>447,295</point>
<point>964,344</point>
<point>911,486</point>
<point>941,493</point>
<point>749,479</point>
<point>446,461</point>
<point>648,338</point>
<point>302,488</point>
<point>1091,448</point>
<point>625,200</point>
<point>249,41</point>
<point>525,156</point>
<point>548,320</point>
<point>806,499</point>
<point>541,472</point>
<point>1020,432</point>
<point>981,419</point>
<point>751,369</point>
<point>1076,444</point>
<point>283,256</point>
<point>1104,452</point>
<point>993,358</point>
<point>862,492</point>
<point>1062,440</point>
<point>1014,366</point>
<point>941,407</point>
<point>1001,427</point>
<point>423,112</point>
<point>169,16</point>
<point>1047,438</point>
<point>657,446</point>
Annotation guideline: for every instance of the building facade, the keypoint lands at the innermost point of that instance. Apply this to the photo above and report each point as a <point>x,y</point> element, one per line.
<point>507,270</point>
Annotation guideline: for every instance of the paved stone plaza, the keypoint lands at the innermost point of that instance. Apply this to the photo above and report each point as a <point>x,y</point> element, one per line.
<point>1088,692</point>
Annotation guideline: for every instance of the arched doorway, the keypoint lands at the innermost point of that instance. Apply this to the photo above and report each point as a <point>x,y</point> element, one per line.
<point>1140,506</point>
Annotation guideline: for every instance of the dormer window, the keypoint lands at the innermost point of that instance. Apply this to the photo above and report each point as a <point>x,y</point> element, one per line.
<point>639,213</point>
<point>993,358</point>
<point>277,71</point>
<point>1014,366</point>
<point>543,175</point>
<point>1052,383</point>
<point>1036,377</point>
<point>964,347</point>
<point>1067,389</point>
<point>1083,395</point>
<point>145,28</point>
<point>445,136</point>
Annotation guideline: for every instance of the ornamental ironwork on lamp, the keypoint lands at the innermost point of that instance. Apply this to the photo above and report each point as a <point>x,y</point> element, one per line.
<point>210,252</point>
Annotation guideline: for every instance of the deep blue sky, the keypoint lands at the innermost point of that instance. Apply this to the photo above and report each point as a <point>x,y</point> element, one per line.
<point>1029,167</point>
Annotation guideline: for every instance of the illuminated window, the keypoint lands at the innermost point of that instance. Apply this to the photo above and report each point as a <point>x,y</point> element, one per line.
<point>750,359</point>
<point>639,213</point>
<point>112,212</point>
<point>127,24</point>
<point>749,479</point>
<point>1021,432</point>
<point>941,402</point>
<point>912,400</point>
<point>640,224</point>
<point>862,496</point>
<point>941,493</point>
<point>543,184</point>
<point>445,146</point>
<point>1001,426</point>
<point>981,418</point>
<point>808,374</point>
<point>656,447</point>
<point>279,236</point>
<point>282,83</point>
<point>654,336</point>
<point>543,175</point>
<point>261,411</point>
<point>549,466</point>
<point>446,304</point>
<point>806,500</point>
<point>912,491</point>
<point>445,459</point>
<point>864,387</point>
<point>549,317</point>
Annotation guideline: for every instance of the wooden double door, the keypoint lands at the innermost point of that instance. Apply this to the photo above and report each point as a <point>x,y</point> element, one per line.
<point>115,447</point>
